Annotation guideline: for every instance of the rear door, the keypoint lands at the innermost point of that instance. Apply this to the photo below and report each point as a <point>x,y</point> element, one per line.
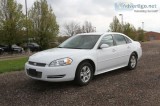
<point>122,49</point>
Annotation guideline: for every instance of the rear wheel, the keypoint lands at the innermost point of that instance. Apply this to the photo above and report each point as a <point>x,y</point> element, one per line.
<point>84,73</point>
<point>132,61</point>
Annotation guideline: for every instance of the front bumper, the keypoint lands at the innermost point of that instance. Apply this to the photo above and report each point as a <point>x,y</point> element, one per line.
<point>53,74</point>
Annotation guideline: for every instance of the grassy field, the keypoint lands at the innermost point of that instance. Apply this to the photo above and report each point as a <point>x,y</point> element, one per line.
<point>12,64</point>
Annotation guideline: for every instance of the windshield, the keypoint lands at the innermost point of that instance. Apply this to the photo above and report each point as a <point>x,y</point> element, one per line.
<point>80,42</point>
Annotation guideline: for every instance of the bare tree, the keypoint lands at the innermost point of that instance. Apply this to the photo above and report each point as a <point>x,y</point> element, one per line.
<point>71,28</point>
<point>87,27</point>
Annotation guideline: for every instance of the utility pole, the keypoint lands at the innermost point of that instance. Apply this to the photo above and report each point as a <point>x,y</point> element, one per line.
<point>142,25</point>
<point>94,29</point>
<point>27,26</point>
<point>121,18</point>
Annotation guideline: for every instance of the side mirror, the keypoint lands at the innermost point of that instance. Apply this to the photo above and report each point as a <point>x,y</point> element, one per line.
<point>104,46</point>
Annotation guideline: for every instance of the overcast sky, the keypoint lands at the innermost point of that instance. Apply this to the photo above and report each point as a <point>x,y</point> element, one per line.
<point>101,12</point>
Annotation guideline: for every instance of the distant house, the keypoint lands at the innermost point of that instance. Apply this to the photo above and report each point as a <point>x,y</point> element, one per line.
<point>149,36</point>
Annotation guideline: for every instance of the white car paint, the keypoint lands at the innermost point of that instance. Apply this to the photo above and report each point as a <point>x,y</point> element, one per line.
<point>105,60</point>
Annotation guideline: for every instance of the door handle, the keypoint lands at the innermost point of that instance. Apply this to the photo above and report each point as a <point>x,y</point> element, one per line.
<point>113,50</point>
<point>128,47</point>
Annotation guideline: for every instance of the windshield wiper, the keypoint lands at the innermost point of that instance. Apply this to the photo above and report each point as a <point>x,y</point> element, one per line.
<point>64,47</point>
<point>76,48</point>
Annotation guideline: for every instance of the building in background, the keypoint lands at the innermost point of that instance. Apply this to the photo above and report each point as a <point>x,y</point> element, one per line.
<point>149,36</point>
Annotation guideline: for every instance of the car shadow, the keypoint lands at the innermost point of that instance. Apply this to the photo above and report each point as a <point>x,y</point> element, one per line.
<point>40,86</point>
<point>116,72</point>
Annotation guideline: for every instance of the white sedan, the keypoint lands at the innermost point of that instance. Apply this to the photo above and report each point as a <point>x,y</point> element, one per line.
<point>82,56</point>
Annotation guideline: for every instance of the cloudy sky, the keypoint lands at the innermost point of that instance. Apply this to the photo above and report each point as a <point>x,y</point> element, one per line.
<point>101,12</point>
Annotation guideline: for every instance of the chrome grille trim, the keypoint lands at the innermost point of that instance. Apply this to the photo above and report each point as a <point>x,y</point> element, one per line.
<point>37,64</point>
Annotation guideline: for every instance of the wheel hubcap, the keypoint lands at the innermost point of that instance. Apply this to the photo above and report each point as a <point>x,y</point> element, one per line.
<point>133,61</point>
<point>85,74</point>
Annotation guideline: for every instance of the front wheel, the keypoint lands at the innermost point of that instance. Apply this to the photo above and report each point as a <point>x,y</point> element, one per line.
<point>84,73</point>
<point>132,61</point>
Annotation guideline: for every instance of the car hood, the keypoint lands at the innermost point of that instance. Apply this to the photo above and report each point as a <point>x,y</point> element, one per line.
<point>48,56</point>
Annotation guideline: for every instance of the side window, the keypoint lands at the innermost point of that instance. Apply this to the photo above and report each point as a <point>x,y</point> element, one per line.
<point>119,39</point>
<point>128,40</point>
<point>108,39</point>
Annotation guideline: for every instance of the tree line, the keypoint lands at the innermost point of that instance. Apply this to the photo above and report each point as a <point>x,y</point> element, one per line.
<point>73,28</point>
<point>40,25</point>
<point>126,28</point>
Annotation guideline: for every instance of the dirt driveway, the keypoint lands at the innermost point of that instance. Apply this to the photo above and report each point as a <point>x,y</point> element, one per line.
<point>140,87</point>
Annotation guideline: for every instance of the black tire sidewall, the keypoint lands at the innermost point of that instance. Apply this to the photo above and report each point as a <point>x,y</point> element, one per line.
<point>129,64</point>
<point>78,71</point>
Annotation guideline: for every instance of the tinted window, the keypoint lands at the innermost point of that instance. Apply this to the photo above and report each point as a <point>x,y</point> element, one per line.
<point>119,39</point>
<point>107,40</point>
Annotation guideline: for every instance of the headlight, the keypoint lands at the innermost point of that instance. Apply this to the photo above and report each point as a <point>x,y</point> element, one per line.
<point>61,62</point>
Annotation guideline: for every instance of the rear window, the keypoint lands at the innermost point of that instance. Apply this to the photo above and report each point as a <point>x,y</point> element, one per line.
<point>128,40</point>
<point>119,39</point>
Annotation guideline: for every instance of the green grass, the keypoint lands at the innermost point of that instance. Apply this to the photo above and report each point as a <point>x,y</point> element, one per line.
<point>12,64</point>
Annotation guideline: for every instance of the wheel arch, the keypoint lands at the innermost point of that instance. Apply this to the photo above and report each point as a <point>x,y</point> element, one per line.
<point>91,62</point>
<point>134,52</point>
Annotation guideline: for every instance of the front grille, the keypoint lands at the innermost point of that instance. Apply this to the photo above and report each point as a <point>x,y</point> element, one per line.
<point>37,64</point>
<point>34,73</point>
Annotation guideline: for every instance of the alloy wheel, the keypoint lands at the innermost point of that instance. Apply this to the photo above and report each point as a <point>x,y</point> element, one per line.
<point>85,74</point>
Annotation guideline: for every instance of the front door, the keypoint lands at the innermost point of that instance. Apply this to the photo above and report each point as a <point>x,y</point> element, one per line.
<point>106,57</point>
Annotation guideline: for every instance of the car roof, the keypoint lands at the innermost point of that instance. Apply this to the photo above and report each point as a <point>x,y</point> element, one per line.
<point>99,33</point>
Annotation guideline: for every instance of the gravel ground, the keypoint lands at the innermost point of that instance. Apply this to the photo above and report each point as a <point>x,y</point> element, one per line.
<point>140,87</point>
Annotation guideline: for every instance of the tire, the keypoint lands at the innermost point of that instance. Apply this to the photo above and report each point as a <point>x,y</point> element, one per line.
<point>1,52</point>
<point>84,73</point>
<point>132,62</point>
